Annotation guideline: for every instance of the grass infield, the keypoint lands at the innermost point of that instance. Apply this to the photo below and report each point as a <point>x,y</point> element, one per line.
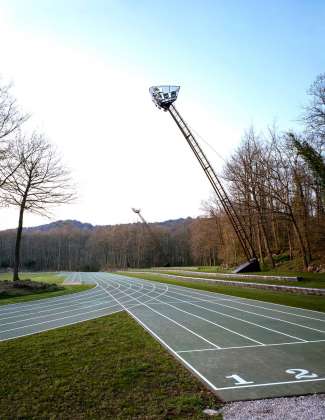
<point>105,368</point>
<point>316,303</point>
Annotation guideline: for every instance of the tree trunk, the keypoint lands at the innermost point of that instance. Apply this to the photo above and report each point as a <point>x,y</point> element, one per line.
<point>18,240</point>
<point>261,227</point>
<point>259,242</point>
<point>301,244</point>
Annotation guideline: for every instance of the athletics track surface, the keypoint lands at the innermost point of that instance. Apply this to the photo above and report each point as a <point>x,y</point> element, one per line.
<point>241,348</point>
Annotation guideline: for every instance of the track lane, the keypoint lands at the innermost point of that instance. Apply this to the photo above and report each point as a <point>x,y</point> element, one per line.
<point>239,347</point>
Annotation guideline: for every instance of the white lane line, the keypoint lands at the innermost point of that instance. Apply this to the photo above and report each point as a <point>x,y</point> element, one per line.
<point>49,304</point>
<point>138,289</point>
<point>80,309</point>
<point>199,374</point>
<point>258,325</point>
<point>254,313</point>
<point>119,286</point>
<point>173,321</point>
<point>59,326</point>
<point>271,384</point>
<point>253,346</point>
<point>44,302</point>
<point>240,319</point>
<point>164,291</point>
<point>211,322</point>
<point>43,311</point>
<point>202,350</point>
<point>57,319</point>
<point>151,298</point>
<point>271,317</point>
<point>277,310</point>
<point>241,300</point>
<point>154,290</point>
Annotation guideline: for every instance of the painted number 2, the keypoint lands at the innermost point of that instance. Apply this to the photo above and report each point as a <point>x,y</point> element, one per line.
<point>301,373</point>
<point>239,380</point>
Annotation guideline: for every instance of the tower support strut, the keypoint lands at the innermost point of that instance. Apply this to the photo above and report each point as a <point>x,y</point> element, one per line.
<point>164,97</point>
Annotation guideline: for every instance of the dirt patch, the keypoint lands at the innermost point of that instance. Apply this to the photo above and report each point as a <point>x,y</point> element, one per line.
<point>25,287</point>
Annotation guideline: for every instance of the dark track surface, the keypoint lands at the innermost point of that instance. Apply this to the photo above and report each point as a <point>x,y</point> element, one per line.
<point>241,348</point>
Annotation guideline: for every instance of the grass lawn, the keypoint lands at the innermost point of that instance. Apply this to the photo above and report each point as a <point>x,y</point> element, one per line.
<point>45,278</point>
<point>105,368</point>
<point>316,303</point>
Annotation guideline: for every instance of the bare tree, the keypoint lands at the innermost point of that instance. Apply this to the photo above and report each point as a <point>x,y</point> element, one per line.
<point>39,182</point>
<point>11,120</point>
<point>315,112</point>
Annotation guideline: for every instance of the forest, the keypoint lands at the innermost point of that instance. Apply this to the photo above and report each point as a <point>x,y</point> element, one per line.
<point>275,180</point>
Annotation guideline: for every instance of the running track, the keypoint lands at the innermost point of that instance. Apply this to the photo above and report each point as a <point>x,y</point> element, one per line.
<point>241,348</point>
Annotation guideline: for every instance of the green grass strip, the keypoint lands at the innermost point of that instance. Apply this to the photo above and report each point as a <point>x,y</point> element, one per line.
<point>105,368</point>
<point>316,303</point>
<point>309,282</point>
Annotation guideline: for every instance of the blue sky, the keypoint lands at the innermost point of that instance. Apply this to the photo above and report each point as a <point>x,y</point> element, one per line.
<point>238,63</point>
<point>249,56</point>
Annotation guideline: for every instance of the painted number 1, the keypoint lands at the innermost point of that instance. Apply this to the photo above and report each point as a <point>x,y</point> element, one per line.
<point>302,373</point>
<point>239,380</point>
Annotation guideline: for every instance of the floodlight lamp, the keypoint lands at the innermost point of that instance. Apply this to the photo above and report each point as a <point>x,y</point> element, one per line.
<point>164,96</point>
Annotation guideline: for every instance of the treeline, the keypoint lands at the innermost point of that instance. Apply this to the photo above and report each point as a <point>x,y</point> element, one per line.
<point>108,247</point>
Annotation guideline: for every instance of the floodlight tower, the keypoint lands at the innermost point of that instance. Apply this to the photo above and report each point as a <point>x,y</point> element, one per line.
<point>153,235</point>
<point>164,97</point>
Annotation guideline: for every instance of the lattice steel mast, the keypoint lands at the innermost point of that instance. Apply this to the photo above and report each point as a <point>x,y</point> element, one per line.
<point>163,97</point>
<point>153,235</point>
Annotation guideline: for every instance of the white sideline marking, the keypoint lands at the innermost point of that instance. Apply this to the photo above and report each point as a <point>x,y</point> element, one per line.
<point>271,383</point>
<point>210,384</point>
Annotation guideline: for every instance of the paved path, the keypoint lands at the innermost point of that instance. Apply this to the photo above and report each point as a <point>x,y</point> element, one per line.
<point>241,348</point>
